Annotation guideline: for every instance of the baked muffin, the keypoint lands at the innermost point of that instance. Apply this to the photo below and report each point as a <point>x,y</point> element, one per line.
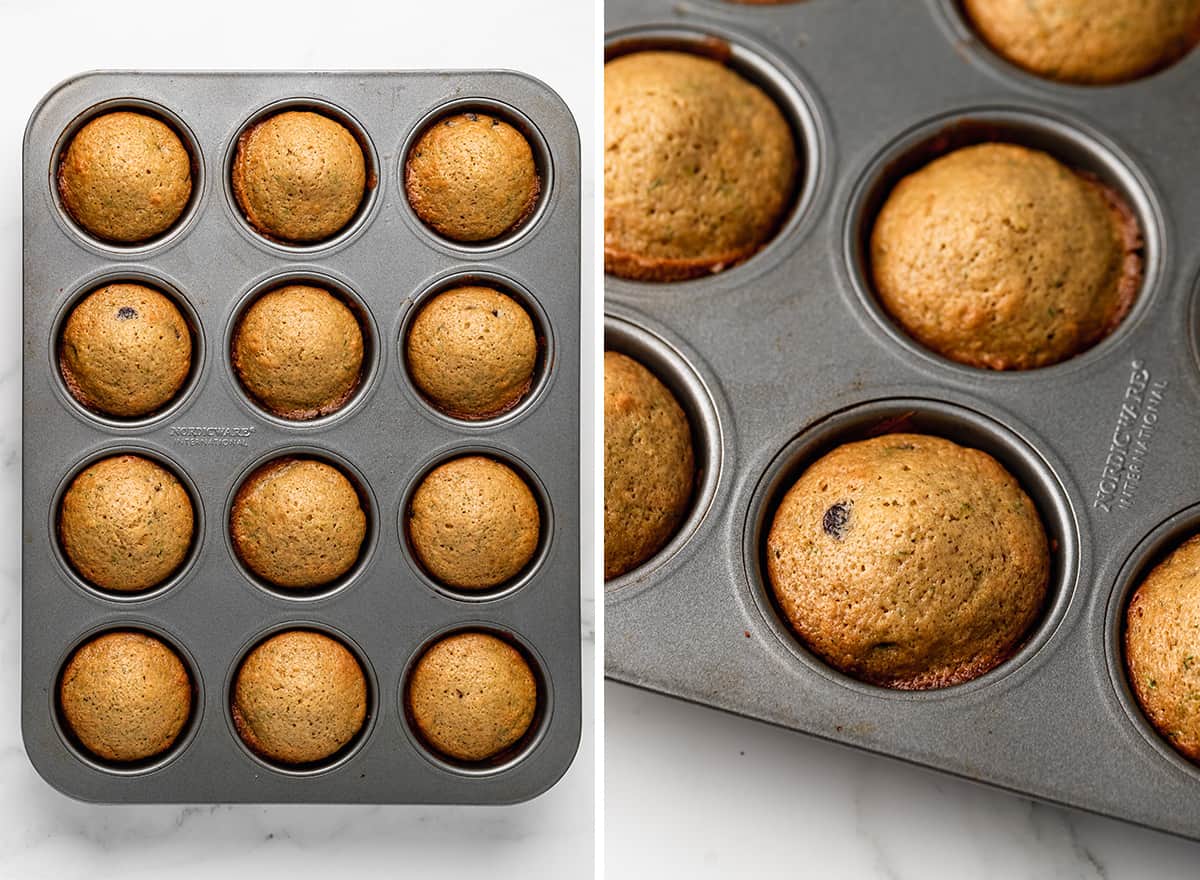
<point>472,696</point>
<point>125,350</point>
<point>999,256</point>
<point>125,695</point>
<point>649,466</point>
<point>472,351</point>
<point>472,177</point>
<point>300,696</point>
<point>298,351</point>
<point>299,176</point>
<point>473,523</point>
<point>1162,647</point>
<point>700,166</point>
<point>298,523</point>
<point>125,177</point>
<point>908,561</point>
<point>1088,41</point>
<point>126,523</point>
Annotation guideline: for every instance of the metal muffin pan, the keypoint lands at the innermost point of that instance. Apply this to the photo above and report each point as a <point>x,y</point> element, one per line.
<point>781,358</point>
<point>385,439</point>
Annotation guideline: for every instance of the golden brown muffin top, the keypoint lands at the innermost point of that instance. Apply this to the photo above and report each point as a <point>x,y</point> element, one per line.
<point>126,523</point>
<point>649,465</point>
<point>472,177</point>
<point>999,256</point>
<point>472,696</point>
<point>125,695</point>
<point>1162,647</point>
<point>125,350</point>
<point>472,351</point>
<point>700,166</point>
<point>298,523</point>
<point>1088,41</point>
<point>299,176</point>
<point>300,696</point>
<point>298,351</point>
<point>908,561</point>
<point>125,177</point>
<point>473,523</point>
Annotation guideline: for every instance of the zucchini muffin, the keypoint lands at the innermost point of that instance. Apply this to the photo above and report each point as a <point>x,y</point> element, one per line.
<point>471,696</point>
<point>126,523</point>
<point>472,352</point>
<point>298,351</point>
<point>472,177</point>
<point>300,696</point>
<point>649,466</point>
<point>473,523</point>
<point>298,523</point>
<point>999,256</point>
<point>700,167</point>
<point>299,176</point>
<point>908,561</point>
<point>1088,41</point>
<point>125,695</point>
<point>1162,647</point>
<point>125,350</point>
<point>125,177</point>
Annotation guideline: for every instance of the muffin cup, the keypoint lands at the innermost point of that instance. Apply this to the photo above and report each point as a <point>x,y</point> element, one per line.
<point>114,249</point>
<point>371,194</point>
<point>346,753</point>
<point>541,158</point>
<point>1069,141</point>
<point>918,416</point>
<point>521,751</point>
<point>545,533</point>
<point>782,83</point>
<point>146,765</point>
<point>543,369</point>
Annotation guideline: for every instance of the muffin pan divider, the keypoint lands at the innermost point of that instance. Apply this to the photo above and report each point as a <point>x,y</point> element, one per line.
<point>787,357</point>
<point>215,613</point>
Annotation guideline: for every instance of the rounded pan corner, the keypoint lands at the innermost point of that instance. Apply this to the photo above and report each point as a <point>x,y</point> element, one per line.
<point>558,772</point>
<point>548,91</point>
<point>59,87</point>
<point>43,771</point>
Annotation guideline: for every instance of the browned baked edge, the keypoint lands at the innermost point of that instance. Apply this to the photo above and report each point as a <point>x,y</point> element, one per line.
<point>73,386</point>
<point>508,406</point>
<point>624,264</point>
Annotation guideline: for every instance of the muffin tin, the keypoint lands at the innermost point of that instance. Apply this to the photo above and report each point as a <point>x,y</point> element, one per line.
<point>789,354</point>
<point>213,611</point>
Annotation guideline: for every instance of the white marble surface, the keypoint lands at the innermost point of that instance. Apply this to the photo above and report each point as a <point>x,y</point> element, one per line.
<point>716,796</point>
<point>42,833</point>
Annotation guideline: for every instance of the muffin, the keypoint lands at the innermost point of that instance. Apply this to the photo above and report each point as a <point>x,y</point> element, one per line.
<point>125,696</point>
<point>125,177</point>
<point>472,352</point>
<point>471,177</point>
<point>298,523</point>
<point>999,256</point>
<point>908,561</point>
<point>299,176</point>
<point>1088,41</point>
<point>700,167</point>
<point>471,696</point>
<point>300,696</point>
<point>125,350</point>
<point>649,466</point>
<point>298,351</point>
<point>126,523</point>
<point>1162,647</point>
<point>473,523</point>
